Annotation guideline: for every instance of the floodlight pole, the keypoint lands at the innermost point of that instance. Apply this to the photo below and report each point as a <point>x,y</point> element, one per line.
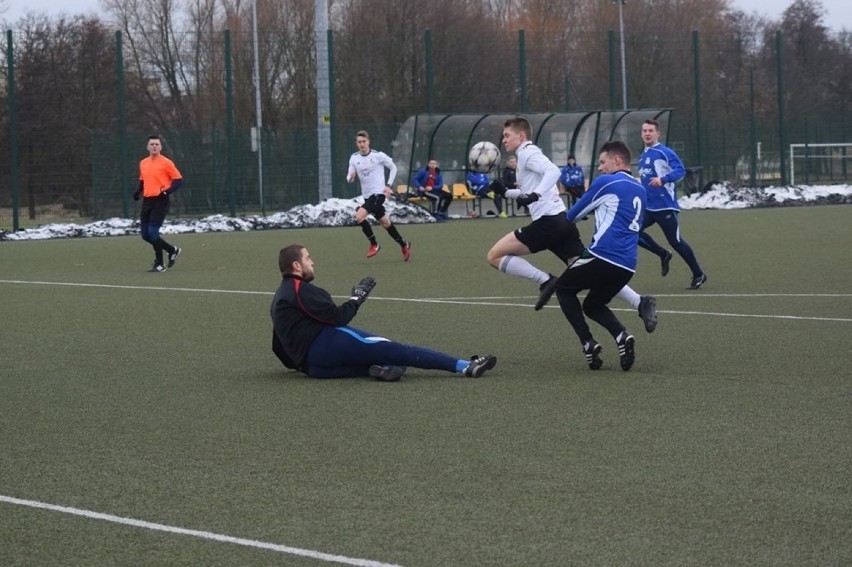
<point>259,122</point>
<point>325,96</point>
<point>623,65</point>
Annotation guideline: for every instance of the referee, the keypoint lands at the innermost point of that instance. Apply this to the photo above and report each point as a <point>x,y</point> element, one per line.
<point>158,178</point>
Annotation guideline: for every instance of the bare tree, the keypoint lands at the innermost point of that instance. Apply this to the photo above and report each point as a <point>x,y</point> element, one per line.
<point>158,53</point>
<point>66,96</point>
<point>810,58</point>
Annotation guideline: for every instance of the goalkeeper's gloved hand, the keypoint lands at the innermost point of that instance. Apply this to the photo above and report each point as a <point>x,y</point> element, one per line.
<point>362,290</point>
<point>525,200</point>
<point>497,187</point>
<point>136,195</point>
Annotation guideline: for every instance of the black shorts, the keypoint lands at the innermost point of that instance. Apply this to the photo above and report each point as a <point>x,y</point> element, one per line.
<point>552,233</point>
<point>154,210</point>
<point>590,272</point>
<point>375,205</point>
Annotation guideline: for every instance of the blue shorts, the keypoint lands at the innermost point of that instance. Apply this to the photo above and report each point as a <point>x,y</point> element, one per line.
<point>343,352</point>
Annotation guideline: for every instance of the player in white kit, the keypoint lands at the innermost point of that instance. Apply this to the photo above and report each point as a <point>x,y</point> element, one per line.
<point>368,166</point>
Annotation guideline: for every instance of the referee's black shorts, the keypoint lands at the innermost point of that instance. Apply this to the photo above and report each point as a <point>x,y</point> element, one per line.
<point>552,233</point>
<point>154,210</point>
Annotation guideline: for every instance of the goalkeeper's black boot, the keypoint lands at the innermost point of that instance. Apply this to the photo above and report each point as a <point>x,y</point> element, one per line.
<point>592,350</point>
<point>387,373</point>
<point>479,364</point>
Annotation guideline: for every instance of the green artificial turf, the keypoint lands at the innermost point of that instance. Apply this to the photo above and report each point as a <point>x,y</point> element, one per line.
<point>156,397</point>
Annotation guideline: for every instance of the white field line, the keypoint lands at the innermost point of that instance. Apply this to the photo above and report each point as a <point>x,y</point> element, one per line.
<point>507,301</point>
<point>197,533</point>
<point>139,287</point>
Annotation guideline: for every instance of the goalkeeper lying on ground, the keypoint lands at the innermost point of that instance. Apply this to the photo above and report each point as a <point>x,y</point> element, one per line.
<point>311,333</point>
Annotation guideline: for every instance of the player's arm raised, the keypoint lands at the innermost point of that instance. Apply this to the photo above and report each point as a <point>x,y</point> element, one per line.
<point>318,304</point>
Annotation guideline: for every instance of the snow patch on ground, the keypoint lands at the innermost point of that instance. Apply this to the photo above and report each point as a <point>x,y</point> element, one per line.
<point>340,212</point>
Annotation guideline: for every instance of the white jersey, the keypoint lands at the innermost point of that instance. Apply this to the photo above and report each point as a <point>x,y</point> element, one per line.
<point>370,170</point>
<point>537,174</point>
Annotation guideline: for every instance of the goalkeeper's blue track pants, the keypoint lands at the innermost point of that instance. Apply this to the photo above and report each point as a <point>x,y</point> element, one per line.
<point>342,352</point>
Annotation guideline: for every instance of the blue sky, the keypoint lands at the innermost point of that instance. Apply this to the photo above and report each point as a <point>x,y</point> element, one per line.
<point>839,12</point>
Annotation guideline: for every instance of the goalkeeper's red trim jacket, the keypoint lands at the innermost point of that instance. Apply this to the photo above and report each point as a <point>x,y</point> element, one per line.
<point>299,311</point>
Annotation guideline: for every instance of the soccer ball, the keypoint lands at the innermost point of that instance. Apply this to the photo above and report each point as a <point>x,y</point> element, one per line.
<point>484,157</point>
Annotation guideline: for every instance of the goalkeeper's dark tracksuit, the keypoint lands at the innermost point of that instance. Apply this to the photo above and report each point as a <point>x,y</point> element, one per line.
<point>310,334</point>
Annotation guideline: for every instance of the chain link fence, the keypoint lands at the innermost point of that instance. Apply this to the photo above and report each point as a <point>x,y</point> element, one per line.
<point>75,123</point>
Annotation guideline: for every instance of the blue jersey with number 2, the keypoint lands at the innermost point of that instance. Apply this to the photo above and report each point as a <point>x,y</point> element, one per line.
<point>618,201</point>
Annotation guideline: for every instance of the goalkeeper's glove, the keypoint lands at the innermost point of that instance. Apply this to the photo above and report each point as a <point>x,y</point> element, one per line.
<point>526,200</point>
<point>362,290</point>
<point>497,187</point>
<point>136,195</point>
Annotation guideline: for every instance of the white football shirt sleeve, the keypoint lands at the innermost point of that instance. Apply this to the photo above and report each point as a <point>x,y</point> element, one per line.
<point>548,173</point>
<point>350,175</point>
<point>388,162</point>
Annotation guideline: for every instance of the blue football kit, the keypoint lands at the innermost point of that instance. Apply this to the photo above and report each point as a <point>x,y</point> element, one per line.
<point>619,204</point>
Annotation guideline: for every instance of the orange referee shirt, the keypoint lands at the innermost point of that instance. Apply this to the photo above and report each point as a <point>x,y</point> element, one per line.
<point>157,174</point>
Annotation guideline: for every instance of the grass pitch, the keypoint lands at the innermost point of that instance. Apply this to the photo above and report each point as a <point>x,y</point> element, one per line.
<point>156,398</point>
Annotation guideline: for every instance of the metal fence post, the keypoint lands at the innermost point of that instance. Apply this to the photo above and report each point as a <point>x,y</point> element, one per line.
<point>122,126</point>
<point>331,111</point>
<point>753,130</point>
<point>699,157</point>
<point>522,74</point>
<point>782,127</point>
<point>430,73</point>
<point>611,45</point>
<point>232,137</point>
<point>13,134</point>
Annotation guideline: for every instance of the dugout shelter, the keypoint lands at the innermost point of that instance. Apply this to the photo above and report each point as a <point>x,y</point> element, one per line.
<point>449,137</point>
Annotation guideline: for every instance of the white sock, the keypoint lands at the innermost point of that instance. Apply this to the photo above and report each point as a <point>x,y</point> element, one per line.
<point>629,296</point>
<point>517,266</point>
